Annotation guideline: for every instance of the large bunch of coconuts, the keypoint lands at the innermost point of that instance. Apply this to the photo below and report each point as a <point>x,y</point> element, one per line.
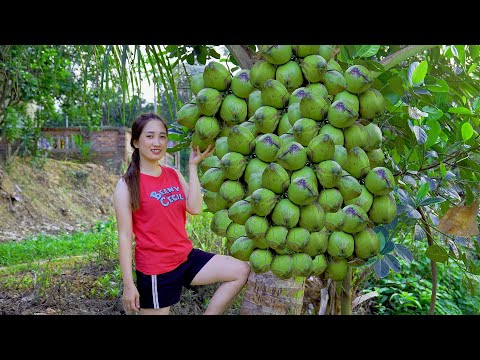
<point>298,178</point>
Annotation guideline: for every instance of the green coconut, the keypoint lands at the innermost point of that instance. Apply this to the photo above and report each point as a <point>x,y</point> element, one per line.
<point>340,245</point>
<point>290,75</point>
<point>220,222</point>
<point>358,79</point>
<point>216,76</point>
<point>260,72</point>
<point>233,165</point>
<point>260,260</point>
<point>241,85</point>
<point>282,266</point>
<point>254,102</point>
<point>312,217</point>
<point>317,243</point>
<point>242,248</point>
<point>188,115</point>
<point>233,110</point>
<point>367,244</point>
<point>379,181</point>
<point>330,199</point>
<point>297,238</point>
<point>286,214</point>
<point>241,140</point>
<point>196,83</point>
<point>267,147</point>
<point>276,54</point>
<point>275,178</point>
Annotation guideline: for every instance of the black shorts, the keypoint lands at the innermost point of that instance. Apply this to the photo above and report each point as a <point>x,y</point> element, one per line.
<point>159,291</point>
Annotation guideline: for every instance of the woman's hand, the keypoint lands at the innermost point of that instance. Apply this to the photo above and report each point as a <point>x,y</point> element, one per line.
<point>131,299</point>
<point>196,155</point>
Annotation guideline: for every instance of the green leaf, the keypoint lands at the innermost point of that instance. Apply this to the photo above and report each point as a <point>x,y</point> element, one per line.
<point>404,252</point>
<point>381,268</point>
<point>389,247</point>
<point>472,68</point>
<point>443,169</point>
<point>375,66</point>
<point>424,189</point>
<point>366,50</point>
<point>420,233</point>
<point>460,110</point>
<point>467,131</point>
<point>436,253</point>
<point>433,132</point>
<point>396,85</point>
<point>439,86</point>
<point>431,201</point>
<point>392,263</point>
<point>419,73</point>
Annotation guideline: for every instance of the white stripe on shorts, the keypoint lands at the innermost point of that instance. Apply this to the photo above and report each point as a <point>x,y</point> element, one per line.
<point>154,292</point>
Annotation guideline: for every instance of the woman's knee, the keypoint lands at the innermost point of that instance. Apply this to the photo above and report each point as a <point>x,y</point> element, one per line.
<point>244,270</point>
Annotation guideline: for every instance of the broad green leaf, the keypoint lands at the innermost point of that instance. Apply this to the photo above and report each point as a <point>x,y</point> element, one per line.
<point>461,54</point>
<point>436,253</point>
<point>396,84</point>
<point>392,263</point>
<point>420,134</point>
<point>420,233</point>
<point>366,50</point>
<point>460,110</point>
<point>474,51</point>
<point>433,113</point>
<point>439,86</point>
<point>389,246</point>
<point>405,197</point>
<point>404,252</point>
<point>433,132</point>
<point>467,131</point>
<point>373,65</point>
<point>381,268</point>
<point>419,73</point>
<point>443,169</point>
<point>472,68</point>
<point>412,213</point>
<point>431,201</point>
<point>423,191</point>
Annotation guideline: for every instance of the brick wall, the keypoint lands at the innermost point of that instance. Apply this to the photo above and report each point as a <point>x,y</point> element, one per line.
<point>109,147</point>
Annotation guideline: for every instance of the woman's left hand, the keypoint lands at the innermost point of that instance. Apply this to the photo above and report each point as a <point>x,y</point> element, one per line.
<point>196,155</point>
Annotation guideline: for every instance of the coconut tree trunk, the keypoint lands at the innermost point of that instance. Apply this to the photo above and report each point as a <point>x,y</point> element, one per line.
<point>347,293</point>
<point>268,295</point>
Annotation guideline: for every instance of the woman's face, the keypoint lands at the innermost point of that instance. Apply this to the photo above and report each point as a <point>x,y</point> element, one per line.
<point>152,143</point>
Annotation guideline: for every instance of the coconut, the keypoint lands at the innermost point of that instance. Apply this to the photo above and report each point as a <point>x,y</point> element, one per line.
<point>241,85</point>
<point>286,214</point>
<point>358,78</point>
<point>328,173</point>
<point>224,131</point>
<point>376,158</point>
<point>306,172</point>
<point>334,220</point>
<point>326,51</point>
<point>330,199</point>
<point>290,75</point>
<point>357,164</point>
<point>340,245</point>
<point>374,137</point>
<point>340,155</point>
<point>312,217</point>
<point>335,133</point>
<point>356,136</point>
<point>334,82</point>
<point>320,148</point>
<point>364,200</point>
<point>208,101</point>
<point>255,165</point>
<point>254,102</point>
<point>256,227</point>
<point>317,243</point>
<point>287,138</point>
<point>292,156</point>
<point>349,186</point>
<point>318,88</point>
<point>297,95</point>
<point>367,244</point>
<point>231,191</point>
<point>267,147</point>
<point>282,266</point>
<point>319,264</point>
<point>336,269</point>
<point>263,201</point>
<point>383,210</point>
<point>276,54</point>
<point>220,222</point>
<point>341,114</point>
<point>260,260</point>
<point>356,219</point>
<point>304,130</point>
<point>234,231</point>
<point>240,211</point>
<point>188,115</point>
<point>313,67</point>
<point>294,113</point>
<point>276,237</point>
<point>372,104</point>
<point>214,201</point>
<point>348,97</point>
<point>379,181</point>
<point>241,140</point>
<point>216,76</point>
<point>242,248</point>
<point>197,141</point>
<point>302,264</point>
<point>221,146</point>
<point>284,125</point>
<point>274,94</point>
<point>207,128</point>
<point>297,238</point>
<point>209,162</point>
<point>266,119</point>
<point>260,72</point>
<point>275,178</point>
<point>304,50</point>
<point>212,179</point>
<point>196,83</point>
<point>302,191</point>
<point>233,165</point>
<point>250,126</point>
<point>233,110</point>
<point>313,106</point>
<point>254,183</point>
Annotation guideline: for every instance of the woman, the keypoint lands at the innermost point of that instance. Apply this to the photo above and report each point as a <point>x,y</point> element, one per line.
<point>151,201</point>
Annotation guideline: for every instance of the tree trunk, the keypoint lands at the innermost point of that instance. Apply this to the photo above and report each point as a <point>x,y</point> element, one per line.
<point>268,295</point>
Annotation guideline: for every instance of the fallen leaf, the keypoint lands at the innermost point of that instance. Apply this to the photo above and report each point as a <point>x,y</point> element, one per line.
<point>460,221</point>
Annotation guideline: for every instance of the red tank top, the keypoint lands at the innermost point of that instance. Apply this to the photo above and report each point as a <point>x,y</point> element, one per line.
<point>161,240</point>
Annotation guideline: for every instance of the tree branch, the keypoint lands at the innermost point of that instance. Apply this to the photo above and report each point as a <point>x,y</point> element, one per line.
<point>243,54</point>
<point>401,55</point>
